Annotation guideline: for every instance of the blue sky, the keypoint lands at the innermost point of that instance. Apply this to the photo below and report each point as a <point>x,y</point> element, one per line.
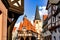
<point>30,7</point>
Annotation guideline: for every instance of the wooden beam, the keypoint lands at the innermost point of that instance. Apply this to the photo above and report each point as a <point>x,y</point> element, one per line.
<point>10,28</point>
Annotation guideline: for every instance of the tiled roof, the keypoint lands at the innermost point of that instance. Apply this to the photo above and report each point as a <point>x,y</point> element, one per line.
<point>27,24</point>
<point>37,16</point>
<point>45,17</point>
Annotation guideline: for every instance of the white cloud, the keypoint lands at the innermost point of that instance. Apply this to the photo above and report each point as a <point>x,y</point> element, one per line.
<point>43,11</point>
<point>17,25</point>
<point>32,22</point>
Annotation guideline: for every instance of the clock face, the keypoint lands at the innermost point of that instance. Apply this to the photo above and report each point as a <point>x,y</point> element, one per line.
<point>16,5</point>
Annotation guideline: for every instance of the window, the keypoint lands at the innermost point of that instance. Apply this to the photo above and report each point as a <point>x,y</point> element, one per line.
<point>53,19</point>
<point>59,37</point>
<point>55,31</point>
<point>49,11</point>
<point>59,16</point>
<point>54,38</point>
<point>59,6</point>
<point>36,22</point>
<point>49,21</point>
<point>54,7</point>
<point>24,28</point>
<point>59,30</point>
<point>51,32</point>
<point>53,12</point>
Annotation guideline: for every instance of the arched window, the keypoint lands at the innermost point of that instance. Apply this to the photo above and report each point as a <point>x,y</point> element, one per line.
<point>23,28</point>
<point>59,37</point>
<point>54,38</point>
<point>59,30</point>
<point>36,22</point>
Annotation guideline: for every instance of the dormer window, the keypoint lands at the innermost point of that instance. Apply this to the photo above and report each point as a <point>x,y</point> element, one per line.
<point>23,28</point>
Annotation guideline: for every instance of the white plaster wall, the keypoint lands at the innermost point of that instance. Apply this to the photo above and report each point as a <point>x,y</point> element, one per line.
<point>56,35</point>
<point>39,26</point>
<point>14,34</point>
<point>49,23</point>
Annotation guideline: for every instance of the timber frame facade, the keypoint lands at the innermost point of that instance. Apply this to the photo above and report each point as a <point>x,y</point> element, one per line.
<point>13,12</point>
<point>53,24</point>
<point>27,35</point>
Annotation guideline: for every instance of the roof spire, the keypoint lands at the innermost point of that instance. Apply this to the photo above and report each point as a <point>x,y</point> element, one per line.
<point>25,16</point>
<point>37,16</point>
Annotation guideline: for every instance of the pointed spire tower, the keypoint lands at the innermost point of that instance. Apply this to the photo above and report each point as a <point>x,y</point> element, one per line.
<point>37,16</point>
<point>24,17</point>
<point>37,21</point>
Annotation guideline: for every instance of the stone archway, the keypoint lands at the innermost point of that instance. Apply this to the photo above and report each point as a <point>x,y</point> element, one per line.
<point>22,38</point>
<point>27,38</point>
<point>33,38</point>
